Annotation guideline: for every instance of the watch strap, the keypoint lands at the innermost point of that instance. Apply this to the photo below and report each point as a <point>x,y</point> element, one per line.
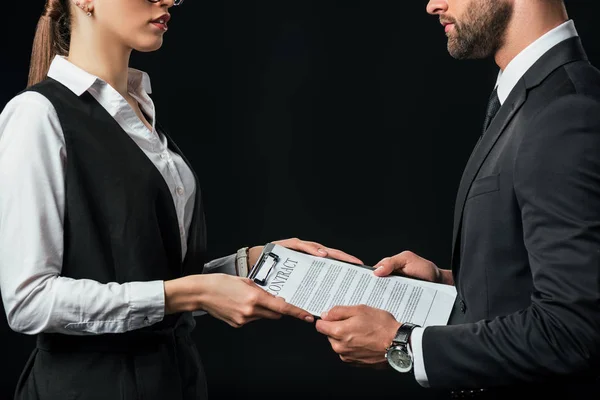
<point>403,334</point>
<point>241,262</point>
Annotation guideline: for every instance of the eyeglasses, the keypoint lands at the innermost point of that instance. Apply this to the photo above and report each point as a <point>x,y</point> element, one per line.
<point>175,2</point>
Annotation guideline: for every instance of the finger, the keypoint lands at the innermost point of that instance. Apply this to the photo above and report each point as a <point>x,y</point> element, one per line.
<point>337,345</point>
<point>350,361</point>
<point>312,248</point>
<point>317,249</point>
<point>237,322</point>
<point>330,329</point>
<point>339,313</point>
<point>343,256</point>
<point>393,264</point>
<point>261,312</point>
<point>279,305</point>
<point>384,267</point>
<point>253,314</point>
<point>353,362</point>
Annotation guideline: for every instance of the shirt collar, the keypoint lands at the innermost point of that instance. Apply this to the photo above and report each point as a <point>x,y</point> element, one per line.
<point>139,79</point>
<point>80,81</point>
<point>519,65</point>
<point>70,75</point>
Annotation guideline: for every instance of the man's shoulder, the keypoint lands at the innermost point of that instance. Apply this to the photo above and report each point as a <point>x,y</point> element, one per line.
<point>584,78</point>
<point>573,83</point>
<point>578,78</point>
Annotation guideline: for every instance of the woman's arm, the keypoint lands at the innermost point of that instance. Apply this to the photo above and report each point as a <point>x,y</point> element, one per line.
<point>32,200</point>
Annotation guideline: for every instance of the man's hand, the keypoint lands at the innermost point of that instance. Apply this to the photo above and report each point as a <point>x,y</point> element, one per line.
<point>411,265</point>
<point>359,334</point>
<point>313,248</point>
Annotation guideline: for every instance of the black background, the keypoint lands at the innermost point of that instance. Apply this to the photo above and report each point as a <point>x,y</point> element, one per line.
<point>343,122</point>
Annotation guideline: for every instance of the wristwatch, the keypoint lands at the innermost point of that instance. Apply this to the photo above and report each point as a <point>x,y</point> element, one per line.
<point>398,354</point>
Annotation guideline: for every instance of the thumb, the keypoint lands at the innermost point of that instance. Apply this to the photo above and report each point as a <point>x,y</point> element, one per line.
<point>384,267</point>
<point>393,264</point>
<point>338,313</point>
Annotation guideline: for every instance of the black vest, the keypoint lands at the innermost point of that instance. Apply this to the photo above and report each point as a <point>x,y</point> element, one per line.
<point>120,221</point>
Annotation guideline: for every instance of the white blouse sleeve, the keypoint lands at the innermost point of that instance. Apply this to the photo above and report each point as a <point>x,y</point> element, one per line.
<point>36,297</point>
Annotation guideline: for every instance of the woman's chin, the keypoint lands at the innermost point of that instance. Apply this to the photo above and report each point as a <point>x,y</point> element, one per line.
<point>149,45</point>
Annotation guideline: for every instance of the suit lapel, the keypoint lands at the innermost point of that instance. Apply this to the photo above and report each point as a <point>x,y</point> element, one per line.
<point>512,104</point>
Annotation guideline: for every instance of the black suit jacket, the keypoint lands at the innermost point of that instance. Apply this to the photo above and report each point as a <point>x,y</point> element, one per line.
<point>526,258</point>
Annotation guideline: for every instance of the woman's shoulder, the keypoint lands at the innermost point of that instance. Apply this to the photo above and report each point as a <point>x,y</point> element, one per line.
<point>29,114</point>
<point>29,104</point>
<point>29,99</point>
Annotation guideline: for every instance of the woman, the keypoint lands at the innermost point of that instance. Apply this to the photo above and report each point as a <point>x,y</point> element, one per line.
<point>101,219</point>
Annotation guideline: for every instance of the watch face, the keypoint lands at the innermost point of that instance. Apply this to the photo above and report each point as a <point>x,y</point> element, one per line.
<point>399,359</point>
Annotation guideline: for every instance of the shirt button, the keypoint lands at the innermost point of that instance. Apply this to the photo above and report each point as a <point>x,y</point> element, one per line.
<point>180,191</point>
<point>163,155</point>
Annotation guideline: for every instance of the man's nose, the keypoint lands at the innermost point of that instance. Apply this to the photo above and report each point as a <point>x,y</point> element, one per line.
<point>437,7</point>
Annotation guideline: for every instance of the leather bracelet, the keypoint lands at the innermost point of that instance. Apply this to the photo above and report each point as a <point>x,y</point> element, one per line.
<point>241,262</point>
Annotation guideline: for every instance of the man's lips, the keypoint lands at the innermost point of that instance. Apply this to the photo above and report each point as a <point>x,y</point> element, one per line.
<point>448,25</point>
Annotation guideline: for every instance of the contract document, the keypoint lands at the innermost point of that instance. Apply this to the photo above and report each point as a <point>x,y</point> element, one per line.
<point>317,284</point>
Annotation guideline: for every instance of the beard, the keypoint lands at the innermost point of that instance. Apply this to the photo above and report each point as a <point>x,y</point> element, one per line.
<point>481,31</point>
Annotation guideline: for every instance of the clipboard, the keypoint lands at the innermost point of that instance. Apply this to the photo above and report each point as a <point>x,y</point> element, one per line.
<point>268,260</point>
<point>317,286</point>
<point>265,264</point>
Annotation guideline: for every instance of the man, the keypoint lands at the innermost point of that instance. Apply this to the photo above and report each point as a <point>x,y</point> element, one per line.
<point>526,245</point>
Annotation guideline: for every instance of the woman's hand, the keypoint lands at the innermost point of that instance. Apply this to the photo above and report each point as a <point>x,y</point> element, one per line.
<point>313,248</point>
<point>234,300</point>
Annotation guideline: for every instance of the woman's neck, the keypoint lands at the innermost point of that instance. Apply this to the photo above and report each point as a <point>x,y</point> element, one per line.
<point>102,58</point>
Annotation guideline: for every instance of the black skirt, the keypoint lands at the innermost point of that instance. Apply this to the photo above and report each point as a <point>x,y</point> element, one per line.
<point>158,363</point>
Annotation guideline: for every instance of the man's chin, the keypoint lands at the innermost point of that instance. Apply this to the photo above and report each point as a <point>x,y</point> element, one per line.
<point>462,52</point>
<point>455,51</point>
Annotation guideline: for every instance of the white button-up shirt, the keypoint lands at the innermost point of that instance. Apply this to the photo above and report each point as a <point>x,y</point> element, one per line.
<point>33,159</point>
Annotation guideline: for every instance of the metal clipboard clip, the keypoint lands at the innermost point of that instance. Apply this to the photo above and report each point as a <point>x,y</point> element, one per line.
<point>263,268</point>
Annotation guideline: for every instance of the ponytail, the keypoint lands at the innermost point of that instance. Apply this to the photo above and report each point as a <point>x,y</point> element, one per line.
<point>52,38</point>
